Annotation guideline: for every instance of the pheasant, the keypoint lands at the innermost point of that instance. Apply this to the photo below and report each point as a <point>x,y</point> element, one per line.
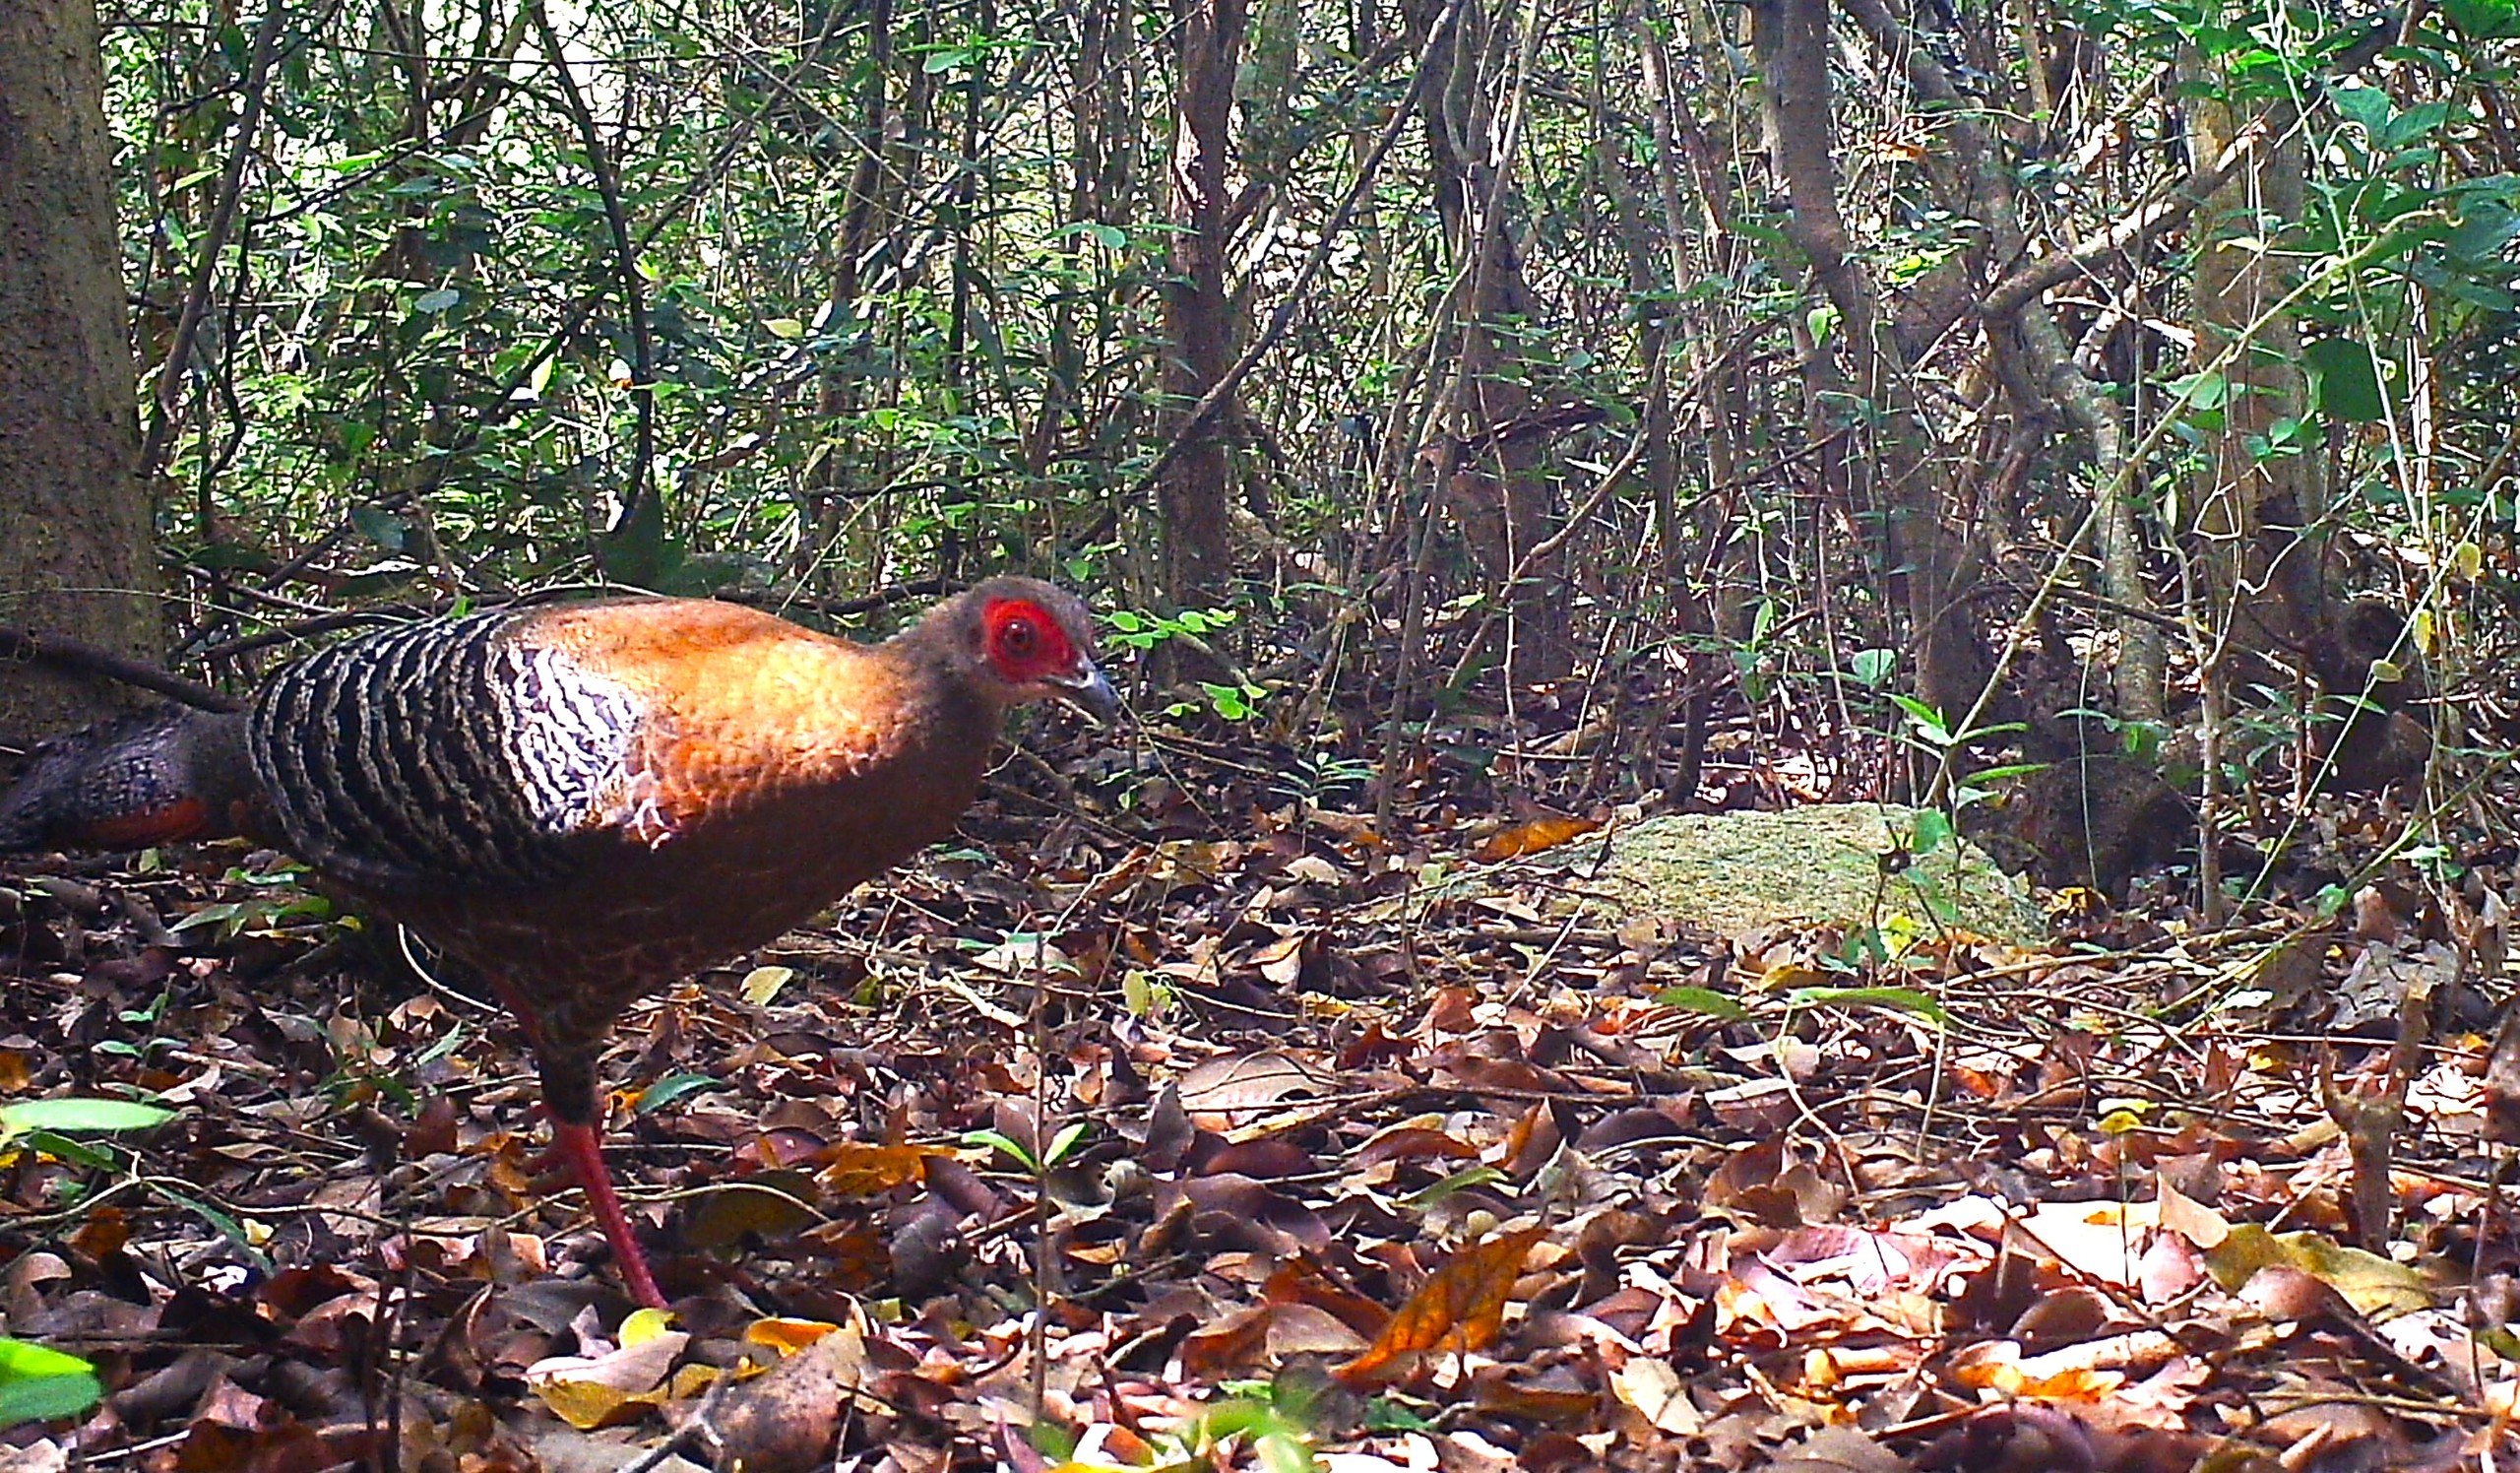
<point>586,802</point>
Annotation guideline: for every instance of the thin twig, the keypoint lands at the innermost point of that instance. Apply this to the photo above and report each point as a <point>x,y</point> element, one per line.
<point>641,494</point>
<point>214,241</point>
<point>78,655</point>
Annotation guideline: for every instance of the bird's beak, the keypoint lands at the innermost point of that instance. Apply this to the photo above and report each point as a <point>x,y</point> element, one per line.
<point>1090,692</point>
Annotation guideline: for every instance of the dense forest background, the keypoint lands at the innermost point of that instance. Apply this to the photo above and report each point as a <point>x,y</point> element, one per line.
<point>2089,425</point>
<point>1899,377</point>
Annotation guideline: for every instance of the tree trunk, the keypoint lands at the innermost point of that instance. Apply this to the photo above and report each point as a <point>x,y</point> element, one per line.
<point>1195,492</point>
<point>2256,522</point>
<point>873,181</point>
<point>1931,566</point>
<point>76,553</point>
<point>2028,352</point>
<point>1499,490</point>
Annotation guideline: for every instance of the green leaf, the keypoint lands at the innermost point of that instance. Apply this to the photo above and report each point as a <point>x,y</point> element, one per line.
<point>671,1088</point>
<point>1283,1452</point>
<point>436,302</point>
<point>1004,1144</point>
<point>2483,19</point>
<point>21,1360</point>
<point>63,1148</point>
<point>1460,1180</point>
<point>1894,999</point>
<point>39,1384</point>
<point>2413,124</point>
<point>210,914</point>
<point>51,1398</point>
<point>228,1227</point>
<point>1065,1141</point>
<point>1382,1414</point>
<point>1108,236</point>
<point>72,1116</point>
<point>380,525</point>
<point>2347,380</point>
<point>2202,391</point>
<point>1702,1001</point>
<point>1233,702</point>
<point>1870,667</point>
<point>1933,831</point>
<point>2365,105</point>
<point>2485,227</point>
<point>1929,722</point>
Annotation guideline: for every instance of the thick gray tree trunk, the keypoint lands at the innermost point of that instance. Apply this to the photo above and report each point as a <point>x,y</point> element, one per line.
<point>76,551</point>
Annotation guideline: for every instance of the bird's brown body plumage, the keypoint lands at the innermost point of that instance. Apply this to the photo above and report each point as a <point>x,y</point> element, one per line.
<point>587,802</point>
<point>707,777</point>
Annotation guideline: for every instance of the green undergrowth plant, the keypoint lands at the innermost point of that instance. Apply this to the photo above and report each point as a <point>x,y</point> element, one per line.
<point>38,1383</point>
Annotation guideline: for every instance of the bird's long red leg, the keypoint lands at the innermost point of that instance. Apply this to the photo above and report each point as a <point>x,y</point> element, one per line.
<point>578,1144</point>
<point>570,1098</point>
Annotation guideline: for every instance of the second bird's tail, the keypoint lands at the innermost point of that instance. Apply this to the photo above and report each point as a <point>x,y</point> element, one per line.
<point>155,777</point>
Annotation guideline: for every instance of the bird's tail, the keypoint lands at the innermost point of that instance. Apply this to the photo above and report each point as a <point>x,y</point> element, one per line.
<point>155,777</point>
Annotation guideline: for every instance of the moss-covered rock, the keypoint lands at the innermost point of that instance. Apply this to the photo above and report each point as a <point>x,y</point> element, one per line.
<point>1738,872</point>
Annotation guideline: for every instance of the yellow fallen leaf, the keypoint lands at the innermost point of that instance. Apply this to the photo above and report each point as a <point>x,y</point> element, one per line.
<point>691,1380</point>
<point>1784,976</point>
<point>588,1405</point>
<point>762,983</point>
<point>592,1391</point>
<point>770,1203</point>
<point>2372,1284</point>
<point>1655,1390</point>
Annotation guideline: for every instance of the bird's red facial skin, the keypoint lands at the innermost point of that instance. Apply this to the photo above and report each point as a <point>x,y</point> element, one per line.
<point>1025,645</point>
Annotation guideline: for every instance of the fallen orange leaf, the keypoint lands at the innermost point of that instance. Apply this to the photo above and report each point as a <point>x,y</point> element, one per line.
<point>1459,1308</point>
<point>1235,1340</point>
<point>103,1233</point>
<point>787,1336</point>
<point>1302,1282</point>
<point>1408,1142</point>
<point>1531,838</point>
<point>861,1170</point>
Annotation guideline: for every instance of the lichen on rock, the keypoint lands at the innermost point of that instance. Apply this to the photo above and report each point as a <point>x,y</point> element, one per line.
<point>1738,872</point>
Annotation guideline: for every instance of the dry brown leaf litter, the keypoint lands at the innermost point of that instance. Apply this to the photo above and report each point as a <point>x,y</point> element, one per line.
<point>1409,1180</point>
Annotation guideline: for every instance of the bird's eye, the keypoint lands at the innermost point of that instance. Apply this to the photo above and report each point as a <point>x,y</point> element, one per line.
<point>1018,636</point>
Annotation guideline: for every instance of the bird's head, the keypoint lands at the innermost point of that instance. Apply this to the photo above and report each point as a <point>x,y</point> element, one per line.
<point>1027,641</point>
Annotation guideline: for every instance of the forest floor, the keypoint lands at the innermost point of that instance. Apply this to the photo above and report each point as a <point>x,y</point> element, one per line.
<point>1334,1172</point>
